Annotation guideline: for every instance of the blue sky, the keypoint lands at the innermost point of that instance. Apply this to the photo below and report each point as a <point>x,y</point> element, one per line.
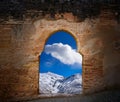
<point>60,55</point>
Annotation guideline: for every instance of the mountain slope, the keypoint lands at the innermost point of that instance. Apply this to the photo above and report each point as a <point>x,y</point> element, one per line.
<point>53,83</point>
<point>71,85</point>
<point>48,82</point>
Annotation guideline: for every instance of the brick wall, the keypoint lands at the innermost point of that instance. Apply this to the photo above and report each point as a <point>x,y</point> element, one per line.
<point>21,45</point>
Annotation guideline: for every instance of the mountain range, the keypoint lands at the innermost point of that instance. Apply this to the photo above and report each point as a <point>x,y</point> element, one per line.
<point>51,83</point>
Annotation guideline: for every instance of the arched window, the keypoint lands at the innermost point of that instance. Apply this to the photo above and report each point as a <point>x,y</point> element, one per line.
<point>60,66</point>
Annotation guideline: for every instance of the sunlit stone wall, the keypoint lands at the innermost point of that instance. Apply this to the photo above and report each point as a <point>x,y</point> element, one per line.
<point>98,40</point>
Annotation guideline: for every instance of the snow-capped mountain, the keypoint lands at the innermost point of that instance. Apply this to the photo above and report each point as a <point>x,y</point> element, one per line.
<point>53,83</point>
<point>49,82</point>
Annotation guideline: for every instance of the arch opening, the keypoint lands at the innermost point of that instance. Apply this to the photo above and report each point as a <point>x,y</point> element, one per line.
<point>60,67</point>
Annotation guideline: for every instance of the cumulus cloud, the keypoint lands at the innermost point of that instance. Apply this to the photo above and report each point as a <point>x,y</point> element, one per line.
<point>64,53</point>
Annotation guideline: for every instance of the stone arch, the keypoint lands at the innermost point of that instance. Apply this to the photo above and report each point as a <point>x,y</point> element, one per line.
<point>91,64</point>
<point>77,45</point>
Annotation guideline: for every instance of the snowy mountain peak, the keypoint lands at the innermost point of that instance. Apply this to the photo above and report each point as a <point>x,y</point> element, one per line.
<point>54,83</point>
<point>53,74</point>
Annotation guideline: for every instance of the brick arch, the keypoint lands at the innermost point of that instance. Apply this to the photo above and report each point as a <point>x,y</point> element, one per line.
<point>74,37</point>
<point>92,63</point>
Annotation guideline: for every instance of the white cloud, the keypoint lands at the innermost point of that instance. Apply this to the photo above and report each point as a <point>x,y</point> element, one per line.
<point>64,53</point>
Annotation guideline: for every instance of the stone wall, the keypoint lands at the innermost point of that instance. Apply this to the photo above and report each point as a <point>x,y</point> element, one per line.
<point>98,40</point>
